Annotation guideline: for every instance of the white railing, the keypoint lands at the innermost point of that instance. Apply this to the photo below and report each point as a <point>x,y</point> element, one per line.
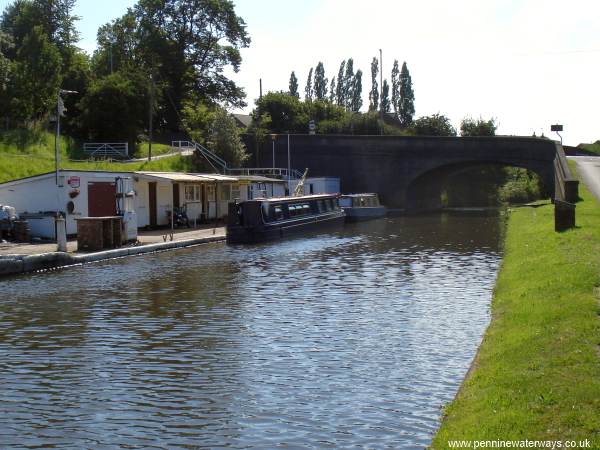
<point>106,149</point>
<point>217,163</point>
<point>275,172</point>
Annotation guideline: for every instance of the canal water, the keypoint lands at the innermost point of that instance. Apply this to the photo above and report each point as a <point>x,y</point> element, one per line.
<point>356,338</point>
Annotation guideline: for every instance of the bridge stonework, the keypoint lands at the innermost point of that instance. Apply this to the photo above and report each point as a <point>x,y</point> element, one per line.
<point>408,172</point>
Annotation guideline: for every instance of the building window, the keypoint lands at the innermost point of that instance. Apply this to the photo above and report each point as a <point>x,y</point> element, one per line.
<point>225,192</point>
<point>192,193</point>
<point>210,192</point>
<point>235,192</point>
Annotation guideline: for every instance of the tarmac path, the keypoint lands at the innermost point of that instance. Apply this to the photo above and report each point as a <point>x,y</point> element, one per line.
<point>588,168</point>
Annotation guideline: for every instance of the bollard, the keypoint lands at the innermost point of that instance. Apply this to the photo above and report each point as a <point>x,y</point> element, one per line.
<point>61,234</point>
<point>564,215</point>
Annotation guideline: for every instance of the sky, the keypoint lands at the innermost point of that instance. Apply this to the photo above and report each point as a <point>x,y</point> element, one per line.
<point>526,63</point>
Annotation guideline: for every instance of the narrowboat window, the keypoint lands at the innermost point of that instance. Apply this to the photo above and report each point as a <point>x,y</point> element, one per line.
<point>266,212</point>
<point>306,208</point>
<point>277,212</point>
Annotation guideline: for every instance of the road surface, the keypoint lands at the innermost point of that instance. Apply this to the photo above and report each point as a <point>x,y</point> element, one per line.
<point>588,168</point>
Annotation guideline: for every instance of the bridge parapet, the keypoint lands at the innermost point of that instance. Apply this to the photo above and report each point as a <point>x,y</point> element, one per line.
<point>566,185</point>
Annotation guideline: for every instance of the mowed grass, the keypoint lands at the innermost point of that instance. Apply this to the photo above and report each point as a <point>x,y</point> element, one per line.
<point>537,373</point>
<point>25,153</point>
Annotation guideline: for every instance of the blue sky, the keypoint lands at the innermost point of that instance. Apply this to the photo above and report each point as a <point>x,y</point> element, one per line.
<point>528,63</point>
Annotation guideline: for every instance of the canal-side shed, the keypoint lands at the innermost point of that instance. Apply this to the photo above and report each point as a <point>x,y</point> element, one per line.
<point>78,193</point>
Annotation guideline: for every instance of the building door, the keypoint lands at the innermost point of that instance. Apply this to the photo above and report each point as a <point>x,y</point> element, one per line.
<point>152,202</point>
<point>176,195</point>
<point>102,199</point>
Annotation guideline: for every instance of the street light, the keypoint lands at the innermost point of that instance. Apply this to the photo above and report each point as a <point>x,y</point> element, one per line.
<point>60,109</point>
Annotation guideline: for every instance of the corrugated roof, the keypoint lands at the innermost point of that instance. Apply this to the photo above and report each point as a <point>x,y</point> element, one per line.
<point>259,178</point>
<point>174,176</point>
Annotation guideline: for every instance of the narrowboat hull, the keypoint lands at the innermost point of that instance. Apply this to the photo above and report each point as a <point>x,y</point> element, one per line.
<point>358,214</point>
<point>280,230</point>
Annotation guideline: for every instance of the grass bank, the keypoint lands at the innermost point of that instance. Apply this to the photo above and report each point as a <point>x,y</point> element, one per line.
<point>537,373</point>
<point>24,153</point>
<point>594,148</point>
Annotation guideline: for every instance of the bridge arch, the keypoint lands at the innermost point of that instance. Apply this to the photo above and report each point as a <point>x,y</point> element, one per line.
<point>424,190</point>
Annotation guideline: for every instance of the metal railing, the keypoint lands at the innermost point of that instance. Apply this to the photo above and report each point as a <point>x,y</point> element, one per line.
<point>273,172</point>
<point>217,163</point>
<point>106,149</point>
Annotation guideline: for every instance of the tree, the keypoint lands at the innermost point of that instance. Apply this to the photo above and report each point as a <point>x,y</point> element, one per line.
<point>37,76</point>
<point>308,90</point>
<point>284,113</point>
<point>435,125</point>
<point>348,84</point>
<point>479,127</point>
<point>115,108</point>
<point>332,91</point>
<point>294,85</point>
<point>187,44</point>
<point>374,94</point>
<point>225,139</point>
<point>396,87</point>
<point>320,88</point>
<point>339,90</point>
<point>6,73</point>
<point>356,103</point>
<point>385,97</point>
<point>406,108</point>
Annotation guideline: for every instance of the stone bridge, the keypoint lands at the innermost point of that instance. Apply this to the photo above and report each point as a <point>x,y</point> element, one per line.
<point>408,172</point>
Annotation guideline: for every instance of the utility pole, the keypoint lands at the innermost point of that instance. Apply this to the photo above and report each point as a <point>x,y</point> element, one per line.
<point>260,88</point>
<point>381,91</point>
<point>150,116</point>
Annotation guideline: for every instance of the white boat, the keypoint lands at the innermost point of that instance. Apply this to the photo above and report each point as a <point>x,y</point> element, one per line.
<point>362,206</point>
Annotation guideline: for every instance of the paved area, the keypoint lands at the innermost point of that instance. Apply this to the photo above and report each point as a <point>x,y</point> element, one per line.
<point>144,237</point>
<point>588,168</point>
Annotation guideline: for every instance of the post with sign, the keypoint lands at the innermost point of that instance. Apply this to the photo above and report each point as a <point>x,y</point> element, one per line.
<point>556,128</point>
<point>311,127</point>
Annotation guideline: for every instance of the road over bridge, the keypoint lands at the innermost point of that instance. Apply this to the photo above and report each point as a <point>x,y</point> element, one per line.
<point>408,172</point>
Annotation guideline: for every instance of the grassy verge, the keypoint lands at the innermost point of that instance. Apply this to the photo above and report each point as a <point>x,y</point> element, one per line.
<point>25,153</point>
<point>537,373</point>
<point>594,148</point>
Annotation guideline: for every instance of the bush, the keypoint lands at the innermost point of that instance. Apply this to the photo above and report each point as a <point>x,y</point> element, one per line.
<point>435,125</point>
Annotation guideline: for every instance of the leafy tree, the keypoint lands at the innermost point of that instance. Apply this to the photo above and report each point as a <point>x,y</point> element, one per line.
<point>37,76</point>
<point>6,73</point>
<point>308,90</point>
<point>187,44</point>
<point>435,125</point>
<point>115,108</point>
<point>406,108</point>
<point>374,94</point>
<point>286,113</point>
<point>339,90</point>
<point>356,103</point>
<point>225,139</point>
<point>294,85</point>
<point>479,127</point>
<point>320,85</point>
<point>396,87</point>
<point>385,97</point>
<point>197,119</point>
<point>348,84</point>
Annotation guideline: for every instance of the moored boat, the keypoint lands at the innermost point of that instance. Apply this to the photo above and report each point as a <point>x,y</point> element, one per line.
<point>362,206</point>
<point>265,219</point>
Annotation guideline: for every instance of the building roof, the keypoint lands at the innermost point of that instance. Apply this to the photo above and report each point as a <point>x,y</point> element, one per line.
<point>259,179</point>
<point>242,120</point>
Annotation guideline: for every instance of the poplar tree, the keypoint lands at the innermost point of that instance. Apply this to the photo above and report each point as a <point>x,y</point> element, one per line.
<point>406,109</point>
<point>396,88</point>
<point>320,88</point>
<point>356,103</point>
<point>374,94</point>
<point>348,84</point>
<point>294,85</point>
<point>332,94</point>
<point>308,90</point>
<point>339,90</point>
<point>385,97</point>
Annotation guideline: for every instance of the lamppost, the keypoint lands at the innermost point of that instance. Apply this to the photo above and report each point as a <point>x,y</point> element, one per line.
<point>556,128</point>
<point>273,138</point>
<point>381,90</point>
<point>60,109</point>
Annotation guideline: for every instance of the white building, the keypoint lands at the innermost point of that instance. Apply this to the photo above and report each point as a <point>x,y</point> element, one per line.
<point>79,193</point>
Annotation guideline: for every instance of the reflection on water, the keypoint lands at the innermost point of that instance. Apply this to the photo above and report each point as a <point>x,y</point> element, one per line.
<point>355,338</point>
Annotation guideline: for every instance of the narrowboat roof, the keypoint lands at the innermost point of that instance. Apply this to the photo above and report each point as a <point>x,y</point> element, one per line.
<point>366,194</point>
<point>296,199</point>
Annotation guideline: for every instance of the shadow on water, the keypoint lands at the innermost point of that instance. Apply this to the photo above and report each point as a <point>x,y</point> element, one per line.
<point>356,337</point>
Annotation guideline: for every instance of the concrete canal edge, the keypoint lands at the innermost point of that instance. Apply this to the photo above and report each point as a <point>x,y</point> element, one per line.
<point>536,376</point>
<point>17,264</point>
